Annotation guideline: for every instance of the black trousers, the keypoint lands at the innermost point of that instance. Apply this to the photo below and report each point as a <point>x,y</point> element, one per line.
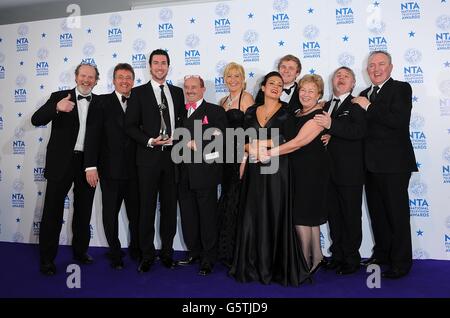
<point>114,192</point>
<point>344,220</point>
<point>153,181</point>
<point>388,202</point>
<point>52,215</point>
<point>198,210</point>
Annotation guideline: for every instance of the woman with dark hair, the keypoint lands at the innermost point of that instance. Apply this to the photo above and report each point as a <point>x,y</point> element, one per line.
<point>266,246</point>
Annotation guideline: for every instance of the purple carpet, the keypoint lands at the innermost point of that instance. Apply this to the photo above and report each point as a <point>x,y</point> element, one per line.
<point>20,277</point>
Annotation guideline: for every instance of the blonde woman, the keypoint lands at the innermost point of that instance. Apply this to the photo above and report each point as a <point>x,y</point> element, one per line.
<point>235,105</point>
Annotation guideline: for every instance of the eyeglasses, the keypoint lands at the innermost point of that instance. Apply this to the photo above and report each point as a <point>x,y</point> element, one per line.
<point>192,76</point>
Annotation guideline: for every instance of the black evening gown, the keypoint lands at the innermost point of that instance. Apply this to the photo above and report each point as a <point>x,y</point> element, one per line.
<point>230,190</point>
<point>267,249</point>
<point>311,169</point>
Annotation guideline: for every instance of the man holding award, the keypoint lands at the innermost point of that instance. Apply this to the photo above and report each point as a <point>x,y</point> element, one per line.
<point>154,111</point>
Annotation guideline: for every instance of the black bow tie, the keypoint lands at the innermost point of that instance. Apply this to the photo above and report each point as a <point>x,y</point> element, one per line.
<point>124,98</point>
<point>88,98</point>
<point>288,90</point>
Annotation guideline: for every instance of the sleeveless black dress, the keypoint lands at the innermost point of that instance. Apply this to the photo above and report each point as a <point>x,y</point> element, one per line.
<point>267,249</point>
<point>230,191</point>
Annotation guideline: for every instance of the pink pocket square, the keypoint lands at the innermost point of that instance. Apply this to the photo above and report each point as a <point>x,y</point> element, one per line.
<point>205,120</point>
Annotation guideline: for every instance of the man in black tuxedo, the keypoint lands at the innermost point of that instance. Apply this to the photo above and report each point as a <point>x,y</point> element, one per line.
<point>346,124</point>
<point>290,68</point>
<point>156,171</point>
<point>389,160</point>
<point>111,154</point>
<point>69,111</point>
<point>199,176</point>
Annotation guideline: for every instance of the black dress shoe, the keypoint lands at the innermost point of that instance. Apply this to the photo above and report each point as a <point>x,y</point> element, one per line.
<point>117,264</point>
<point>47,268</point>
<point>205,269</point>
<point>371,261</point>
<point>322,263</point>
<point>84,258</point>
<point>394,273</point>
<point>188,261</point>
<point>145,265</point>
<point>347,269</point>
<point>168,262</point>
<point>333,264</point>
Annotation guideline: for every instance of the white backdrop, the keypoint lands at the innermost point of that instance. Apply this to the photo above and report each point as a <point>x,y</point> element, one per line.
<point>39,57</point>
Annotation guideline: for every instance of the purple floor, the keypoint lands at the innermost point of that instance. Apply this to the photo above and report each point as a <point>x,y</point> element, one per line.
<point>20,277</point>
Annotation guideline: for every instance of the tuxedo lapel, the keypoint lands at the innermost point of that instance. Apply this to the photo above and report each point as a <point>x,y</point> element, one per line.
<point>116,109</point>
<point>344,106</point>
<point>73,98</point>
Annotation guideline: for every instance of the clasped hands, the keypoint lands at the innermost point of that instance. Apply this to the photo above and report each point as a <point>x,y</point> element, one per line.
<point>259,150</point>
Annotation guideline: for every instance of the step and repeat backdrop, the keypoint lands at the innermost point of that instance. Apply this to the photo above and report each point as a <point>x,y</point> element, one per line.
<point>37,58</point>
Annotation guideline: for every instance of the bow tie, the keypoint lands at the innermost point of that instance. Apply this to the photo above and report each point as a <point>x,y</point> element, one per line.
<point>191,105</point>
<point>124,98</point>
<point>288,90</point>
<point>88,98</point>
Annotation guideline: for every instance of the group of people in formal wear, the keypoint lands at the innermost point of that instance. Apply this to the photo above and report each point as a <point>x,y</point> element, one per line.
<point>264,226</point>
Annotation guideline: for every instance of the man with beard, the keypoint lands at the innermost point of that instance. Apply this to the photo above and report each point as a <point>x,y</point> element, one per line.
<point>69,112</point>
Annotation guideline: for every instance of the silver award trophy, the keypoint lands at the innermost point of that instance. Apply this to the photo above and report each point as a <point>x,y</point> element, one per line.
<point>163,129</point>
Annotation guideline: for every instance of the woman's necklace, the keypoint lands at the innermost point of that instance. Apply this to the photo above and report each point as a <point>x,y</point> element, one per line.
<point>230,101</point>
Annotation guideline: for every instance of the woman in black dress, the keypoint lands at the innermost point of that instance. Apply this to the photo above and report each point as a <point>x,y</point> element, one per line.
<point>266,247</point>
<point>310,168</point>
<point>235,105</point>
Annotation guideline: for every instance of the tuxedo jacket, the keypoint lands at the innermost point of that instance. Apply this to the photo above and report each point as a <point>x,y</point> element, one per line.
<point>106,145</point>
<point>388,147</point>
<point>64,133</point>
<point>293,106</point>
<point>348,129</point>
<point>206,174</point>
<point>143,120</point>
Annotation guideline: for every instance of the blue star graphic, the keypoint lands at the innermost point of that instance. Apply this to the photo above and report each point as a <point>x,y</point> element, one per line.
<point>19,114</point>
<point>419,232</point>
<point>66,59</point>
<point>21,63</point>
<point>250,15</point>
<point>114,55</point>
<point>43,35</point>
<point>345,38</point>
<point>18,220</point>
<point>89,30</point>
<point>139,25</point>
<point>222,47</point>
<point>39,193</point>
<point>138,81</point>
<point>40,139</point>
<point>447,64</point>
<point>192,20</point>
<point>415,99</point>
<point>41,86</point>
<point>310,10</point>
<point>251,74</point>
<point>418,164</point>
<point>443,1</point>
<point>312,71</point>
<point>411,34</point>
<point>281,43</point>
<point>376,3</point>
<point>18,167</point>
